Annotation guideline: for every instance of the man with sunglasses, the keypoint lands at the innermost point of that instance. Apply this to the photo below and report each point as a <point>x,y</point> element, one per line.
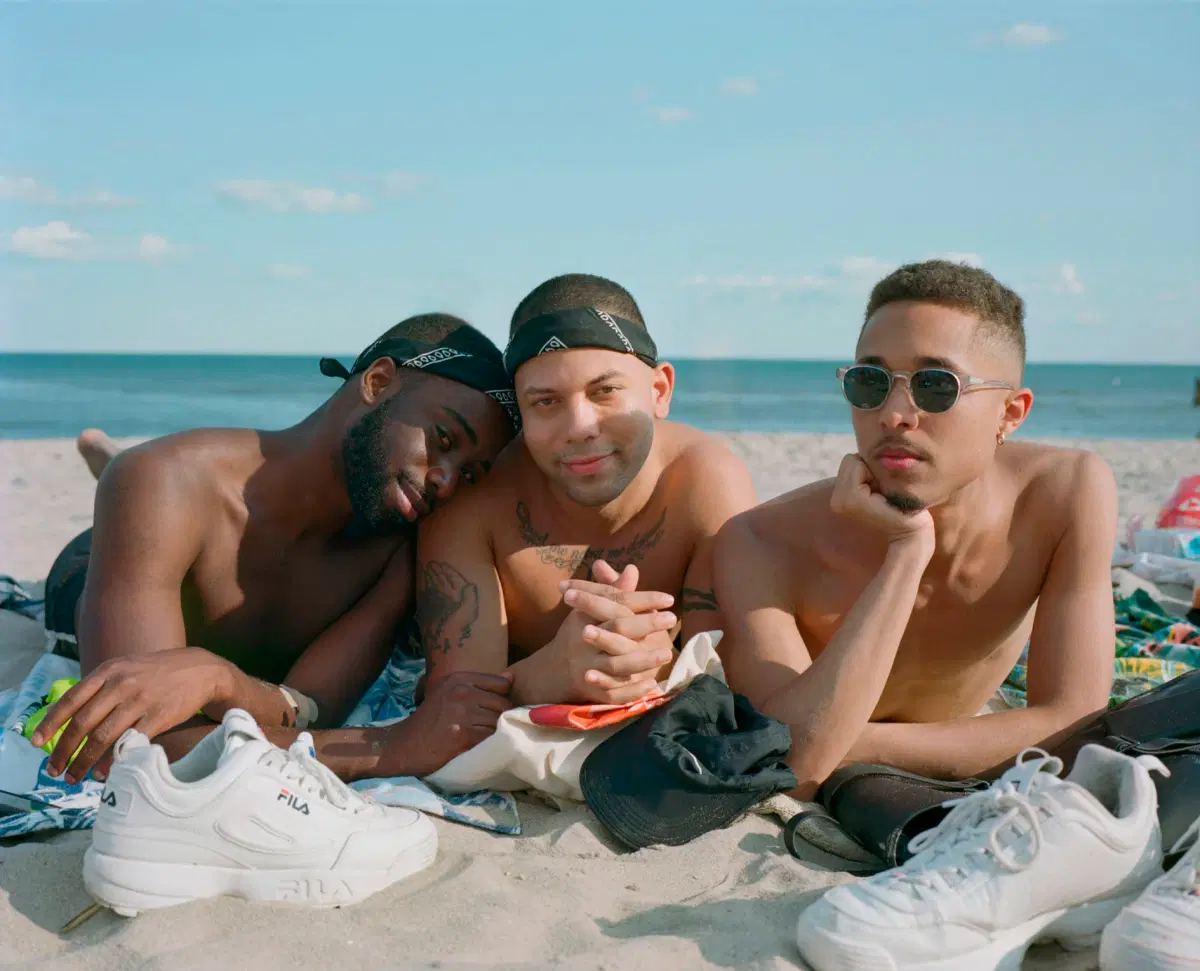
<point>877,613</point>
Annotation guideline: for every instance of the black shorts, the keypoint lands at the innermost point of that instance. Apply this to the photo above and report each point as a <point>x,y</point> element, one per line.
<point>64,587</point>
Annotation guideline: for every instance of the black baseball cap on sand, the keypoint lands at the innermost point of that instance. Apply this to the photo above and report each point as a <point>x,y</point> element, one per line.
<point>688,767</point>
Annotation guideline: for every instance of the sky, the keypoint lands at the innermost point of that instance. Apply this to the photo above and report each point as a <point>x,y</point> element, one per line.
<point>297,177</point>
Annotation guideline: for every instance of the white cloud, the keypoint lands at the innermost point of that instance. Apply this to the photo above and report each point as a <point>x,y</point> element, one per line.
<point>54,241</point>
<point>1027,35</point>
<point>971,259</point>
<point>402,183</point>
<point>671,116</point>
<point>153,246</point>
<point>287,271</point>
<point>105,199</point>
<point>740,86</point>
<point>24,188</point>
<point>287,196</point>
<point>1070,279</point>
<point>58,240</point>
<point>865,266</point>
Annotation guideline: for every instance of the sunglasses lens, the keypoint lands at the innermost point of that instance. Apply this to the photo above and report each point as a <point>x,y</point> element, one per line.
<point>866,386</point>
<point>934,390</point>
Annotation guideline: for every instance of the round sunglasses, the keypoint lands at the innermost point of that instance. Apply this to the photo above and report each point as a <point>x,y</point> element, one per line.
<point>933,389</point>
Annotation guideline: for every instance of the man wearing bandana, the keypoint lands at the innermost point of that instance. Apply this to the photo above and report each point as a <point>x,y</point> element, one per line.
<point>589,548</point>
<point>270,570</point>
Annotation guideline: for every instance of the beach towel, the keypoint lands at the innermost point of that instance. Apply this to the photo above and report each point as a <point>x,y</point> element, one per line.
<point>32,801</point>
<point>1152,648</point>
<point>543,747</point>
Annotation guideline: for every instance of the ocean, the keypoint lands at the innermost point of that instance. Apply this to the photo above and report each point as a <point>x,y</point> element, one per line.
<point>57,395</point>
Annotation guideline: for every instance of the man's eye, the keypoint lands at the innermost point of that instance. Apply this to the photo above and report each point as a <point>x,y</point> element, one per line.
<point>469,476</point>
<point>443,438</point>
<point>542,402</point>
<point>606,390</point>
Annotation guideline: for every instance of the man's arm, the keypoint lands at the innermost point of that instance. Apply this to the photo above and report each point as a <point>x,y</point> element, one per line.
<point>460,605</point>
<point>1071,652</point>
<point>721,488</point>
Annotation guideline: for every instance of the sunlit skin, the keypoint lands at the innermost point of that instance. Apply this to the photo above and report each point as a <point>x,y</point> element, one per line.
<point>601,495</point>
<point>877,612</point>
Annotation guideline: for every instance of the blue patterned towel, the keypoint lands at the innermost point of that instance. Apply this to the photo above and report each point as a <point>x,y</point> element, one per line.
<point>57,805</point>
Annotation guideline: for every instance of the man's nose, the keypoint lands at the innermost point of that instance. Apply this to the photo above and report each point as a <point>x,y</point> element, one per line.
<point>582,420</point>
<point>442,480</point>
<point>899,410</point>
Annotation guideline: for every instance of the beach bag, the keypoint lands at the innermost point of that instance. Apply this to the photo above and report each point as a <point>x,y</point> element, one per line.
<point>1182,510</point>
<point>867,814</point>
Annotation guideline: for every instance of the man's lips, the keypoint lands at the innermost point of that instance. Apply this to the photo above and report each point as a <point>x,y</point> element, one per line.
<point>412,504</point>
<point>898,458</point>
<point>585,464</point>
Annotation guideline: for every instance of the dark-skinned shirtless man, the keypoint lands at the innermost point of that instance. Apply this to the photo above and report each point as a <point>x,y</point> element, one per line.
<point>876,613</point>
<point>601,490</point>
<point>226,563</point>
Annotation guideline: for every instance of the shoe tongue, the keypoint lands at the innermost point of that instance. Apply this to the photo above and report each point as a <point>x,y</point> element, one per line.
<point>240,729</point>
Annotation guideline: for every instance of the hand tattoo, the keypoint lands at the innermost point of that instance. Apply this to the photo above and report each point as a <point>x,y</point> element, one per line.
<point>571,560</point>
<point>447,606</point>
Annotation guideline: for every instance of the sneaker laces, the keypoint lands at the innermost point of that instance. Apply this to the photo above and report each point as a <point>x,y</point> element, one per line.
<point>1003,804</point>
<point>300,766</point>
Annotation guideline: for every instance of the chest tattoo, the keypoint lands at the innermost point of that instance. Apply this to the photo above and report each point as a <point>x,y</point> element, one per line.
<point>572,559</point>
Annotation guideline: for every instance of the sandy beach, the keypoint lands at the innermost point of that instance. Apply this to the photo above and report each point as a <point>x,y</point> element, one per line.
<point>560,895</point>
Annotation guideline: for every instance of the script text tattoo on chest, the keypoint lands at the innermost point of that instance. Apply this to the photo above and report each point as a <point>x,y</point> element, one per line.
<point>571,559</point>
<point>447,606</point>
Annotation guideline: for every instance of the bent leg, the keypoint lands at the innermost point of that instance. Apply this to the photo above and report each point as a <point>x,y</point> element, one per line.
<point>97,449</point>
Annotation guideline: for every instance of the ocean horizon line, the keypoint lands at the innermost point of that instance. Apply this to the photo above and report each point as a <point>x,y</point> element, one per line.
<point>306,355</point>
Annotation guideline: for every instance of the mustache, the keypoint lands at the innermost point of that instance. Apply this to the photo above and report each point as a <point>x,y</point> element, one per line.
<point>889,444</point>
<point>427,494</point>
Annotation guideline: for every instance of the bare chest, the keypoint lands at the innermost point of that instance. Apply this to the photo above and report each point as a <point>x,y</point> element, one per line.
<point>534,557</point>
<point>260,601</point>
<point>966,630</point>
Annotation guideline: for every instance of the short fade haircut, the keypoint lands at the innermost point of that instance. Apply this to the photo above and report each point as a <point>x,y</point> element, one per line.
<point>958,286</point>
<point>577,290</point>
<point>431,328</point>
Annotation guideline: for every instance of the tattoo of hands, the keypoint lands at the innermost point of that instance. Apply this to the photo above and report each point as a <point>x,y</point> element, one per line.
<point>447,606</point>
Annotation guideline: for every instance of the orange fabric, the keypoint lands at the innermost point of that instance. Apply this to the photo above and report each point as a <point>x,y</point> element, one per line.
<point>586,717</point>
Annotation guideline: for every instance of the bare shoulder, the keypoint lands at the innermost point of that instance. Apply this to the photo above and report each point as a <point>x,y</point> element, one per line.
<point>699,461</point>
<point>475,508</point>
<point>787,524</point>
<point>164,471</point>
<point>1060,482</point>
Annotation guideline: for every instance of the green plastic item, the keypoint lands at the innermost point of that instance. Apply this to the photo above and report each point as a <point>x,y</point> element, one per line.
<point>57,690</point>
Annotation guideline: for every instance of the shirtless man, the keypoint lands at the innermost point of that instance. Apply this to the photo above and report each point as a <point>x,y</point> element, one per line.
<point>224,563</point>
<point>599,484</point>
<point>876,613</point>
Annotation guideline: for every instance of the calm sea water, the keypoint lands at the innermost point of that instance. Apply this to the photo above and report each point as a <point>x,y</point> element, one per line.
<point>56,395</point>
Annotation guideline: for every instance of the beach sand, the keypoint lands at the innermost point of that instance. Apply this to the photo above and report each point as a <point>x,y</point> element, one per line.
<point>560,895</point>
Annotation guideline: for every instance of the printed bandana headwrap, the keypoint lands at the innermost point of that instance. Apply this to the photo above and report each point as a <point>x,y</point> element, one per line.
<point>464,355</point>
<point>561,330</point>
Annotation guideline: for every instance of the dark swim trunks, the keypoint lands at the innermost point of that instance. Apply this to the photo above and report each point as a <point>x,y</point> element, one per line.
<point>64,587</point>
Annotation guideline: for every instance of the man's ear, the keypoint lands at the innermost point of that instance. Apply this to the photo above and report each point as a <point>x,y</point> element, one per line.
<point>374,382</point>
<point>1016,410</point>
<point>664,387</point>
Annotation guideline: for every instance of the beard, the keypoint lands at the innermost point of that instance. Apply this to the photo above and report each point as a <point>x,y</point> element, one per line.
<point>369,477</point>
<point>907,504</point>
<point>628,459</point>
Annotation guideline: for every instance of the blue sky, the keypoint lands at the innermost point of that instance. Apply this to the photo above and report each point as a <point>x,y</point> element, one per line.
<point>295,178</point>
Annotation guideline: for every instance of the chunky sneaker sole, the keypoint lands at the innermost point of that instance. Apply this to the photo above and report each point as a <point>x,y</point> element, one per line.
<point>1074,929</point>
<point>130,886</point>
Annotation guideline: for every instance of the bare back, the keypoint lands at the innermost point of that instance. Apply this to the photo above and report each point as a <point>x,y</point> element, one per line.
<point>205,519</point>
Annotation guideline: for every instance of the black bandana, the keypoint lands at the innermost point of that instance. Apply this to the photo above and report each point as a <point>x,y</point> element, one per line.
<point>464,355</point>
<point>578,327</point>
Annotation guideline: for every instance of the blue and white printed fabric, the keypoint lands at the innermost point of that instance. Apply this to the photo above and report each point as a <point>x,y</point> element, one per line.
<point>32,801</point>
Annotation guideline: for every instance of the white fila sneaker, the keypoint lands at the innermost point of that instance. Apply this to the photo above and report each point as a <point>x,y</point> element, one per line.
<point>1160,931</point>
<point>240,816</point>
<point>1033,857</point>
